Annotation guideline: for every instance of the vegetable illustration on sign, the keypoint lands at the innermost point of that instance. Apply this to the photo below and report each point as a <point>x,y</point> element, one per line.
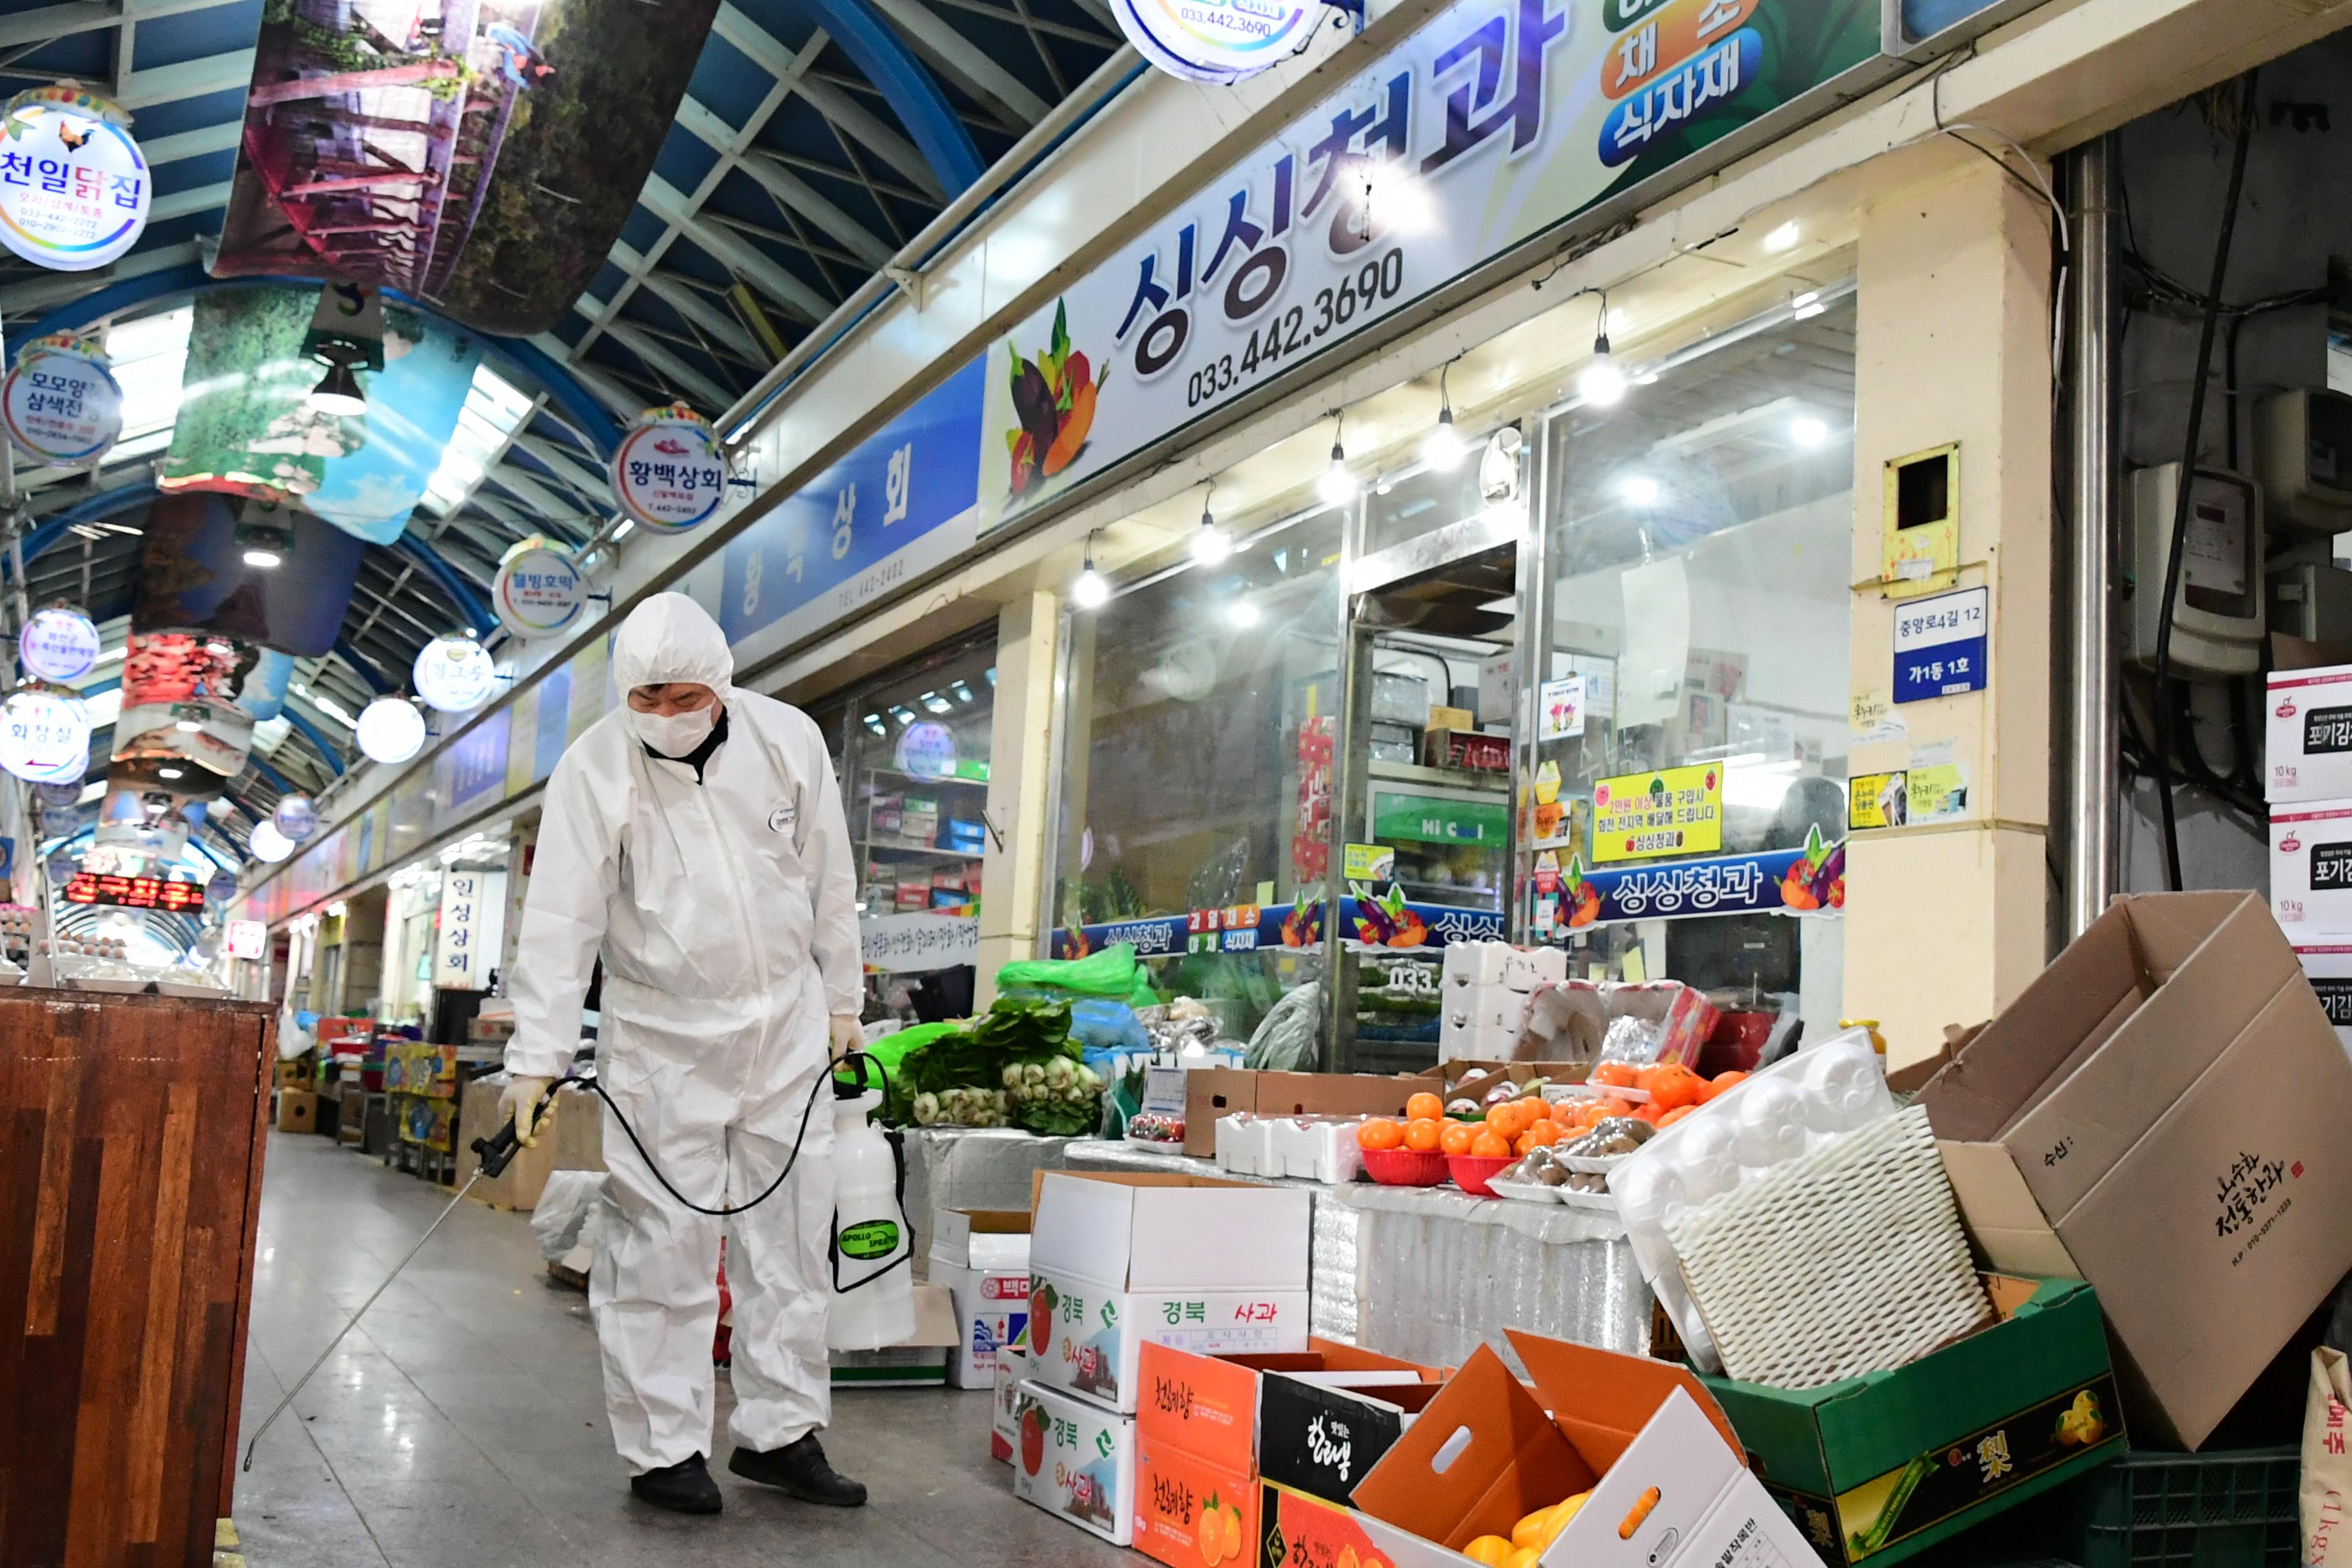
<point>1818,881</point>
<point>1054,398</point>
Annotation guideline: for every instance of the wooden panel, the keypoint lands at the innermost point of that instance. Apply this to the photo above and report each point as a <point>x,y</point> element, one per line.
<point>131,1135</point>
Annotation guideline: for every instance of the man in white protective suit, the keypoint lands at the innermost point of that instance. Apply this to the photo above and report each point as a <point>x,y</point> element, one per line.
<point>695,839</point>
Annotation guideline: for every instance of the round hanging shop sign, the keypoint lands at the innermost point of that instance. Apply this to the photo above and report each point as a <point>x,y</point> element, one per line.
<point>391,731</point>
<point>667,473</point>
<point>58,644</point>
<point>1216,41</point>
<point>221,889</point>
<point>62,403</point>
<point>61,796</point>
<point>296,817</point>
<point>927,751</point>
<point>74,189</point>
<point>538,591</point>
<point>44,735</point>
<point>454,674</point>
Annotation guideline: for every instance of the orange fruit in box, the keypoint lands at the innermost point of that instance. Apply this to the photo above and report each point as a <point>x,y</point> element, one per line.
<point>1423,1107</point>
<point>1614,1075</point>
<point>1673,1085</point>
<point>1676,1114</point>
<point>1421,1134</point>
<point>1610,1105</point>
<point>1504,1119</point>
<point>1455,1138</point>
<point>1379,1132</point>
<point>1720,1082</point>
<point>1490,1145</point>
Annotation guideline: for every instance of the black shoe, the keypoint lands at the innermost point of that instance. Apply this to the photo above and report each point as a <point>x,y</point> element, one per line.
<point>799,1469</point>
<point>683,1488</point>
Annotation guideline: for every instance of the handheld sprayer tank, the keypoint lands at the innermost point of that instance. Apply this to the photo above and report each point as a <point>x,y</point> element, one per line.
<point>872,1276</point>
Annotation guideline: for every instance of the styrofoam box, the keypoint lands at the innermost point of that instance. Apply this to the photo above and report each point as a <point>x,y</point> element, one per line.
<point>2311,871</point>
<point>1475,962</point>
<point>2308,754</point>
<point>1525,968</point>
<point>2329,970</point>
<point>1077,1460</point>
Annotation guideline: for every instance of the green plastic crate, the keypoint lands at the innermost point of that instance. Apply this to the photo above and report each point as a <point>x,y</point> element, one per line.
<point>2224,1510</point>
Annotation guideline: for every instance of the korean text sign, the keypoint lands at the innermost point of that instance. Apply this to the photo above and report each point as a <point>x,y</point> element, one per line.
<point>1488,126</point>
<point>1676,811</point>
<point>1939,645</point>
<point>898,504</point>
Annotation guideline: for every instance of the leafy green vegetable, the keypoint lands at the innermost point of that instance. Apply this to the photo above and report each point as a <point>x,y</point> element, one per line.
<point>1016,1032</point>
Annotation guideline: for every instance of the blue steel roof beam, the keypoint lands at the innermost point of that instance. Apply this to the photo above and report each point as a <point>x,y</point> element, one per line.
<point>673,291</point>
<point>317,737</point>
<point>477,614</point>
<point>950,51</point>
<point>836,104</point>
<point>362,666</point>
<point>884,58</point>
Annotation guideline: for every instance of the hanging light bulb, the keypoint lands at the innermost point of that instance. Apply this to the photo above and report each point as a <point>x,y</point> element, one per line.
<point>1211,545</point>
<point>1338,486</point>
<point>1601,383</point>
<point>1092,589</point>
<point>1442,448</point>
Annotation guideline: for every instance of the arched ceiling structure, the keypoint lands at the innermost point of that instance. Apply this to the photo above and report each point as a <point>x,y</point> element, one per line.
<point>817,137</point>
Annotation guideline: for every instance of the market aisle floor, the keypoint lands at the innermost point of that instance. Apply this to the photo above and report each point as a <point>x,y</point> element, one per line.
<point>464,1422</point>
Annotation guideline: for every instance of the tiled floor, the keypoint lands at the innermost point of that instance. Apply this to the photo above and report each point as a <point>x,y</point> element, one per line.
<point>462,1424</point>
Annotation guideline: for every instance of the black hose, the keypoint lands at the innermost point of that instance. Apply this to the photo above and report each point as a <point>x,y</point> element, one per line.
<point>2186,487</point>
<point>823,1081</point>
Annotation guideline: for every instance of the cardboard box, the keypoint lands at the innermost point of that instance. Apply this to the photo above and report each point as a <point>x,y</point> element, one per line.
<point>2162,1113</point>
<point>298,1111</point>
<point>2311,870</point>
<point>1190,1511</point>
<point>2329,968</point>
<point>1667,1482</point>
<point>981,1256</point>
<point>1075,1458</point>
<point>1011,1367</point>
<point>1879,1469</point>
<point>1119,1260</point>
<point>1212,1092</point>
<point>2308,754</point>
<point>920,1362</point>
<point>1313,1534</point>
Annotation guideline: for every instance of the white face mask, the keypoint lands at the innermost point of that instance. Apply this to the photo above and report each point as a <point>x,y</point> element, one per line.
<point>675,734</point>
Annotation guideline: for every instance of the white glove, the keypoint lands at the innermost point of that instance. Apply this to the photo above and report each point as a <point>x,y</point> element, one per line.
<point>848,1036</point>
<point>522,1101</point>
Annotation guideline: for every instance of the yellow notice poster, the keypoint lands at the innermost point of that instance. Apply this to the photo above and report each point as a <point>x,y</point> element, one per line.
<point>1676,811</point>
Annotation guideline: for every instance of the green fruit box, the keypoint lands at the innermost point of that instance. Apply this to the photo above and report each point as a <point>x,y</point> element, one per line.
<point>1878,1469</point>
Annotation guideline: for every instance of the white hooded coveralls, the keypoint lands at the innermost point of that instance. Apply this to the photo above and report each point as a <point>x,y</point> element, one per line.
<point>726,915</point>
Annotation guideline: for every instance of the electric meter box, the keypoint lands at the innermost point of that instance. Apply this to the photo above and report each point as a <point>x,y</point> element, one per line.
<point>2303,457</point>
<point>2217,603</point>
<point>2311,600</point>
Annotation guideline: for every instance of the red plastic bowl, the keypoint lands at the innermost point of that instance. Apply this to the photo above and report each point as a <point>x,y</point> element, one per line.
<point>1472,1173</point>
<point>1405,1167</point>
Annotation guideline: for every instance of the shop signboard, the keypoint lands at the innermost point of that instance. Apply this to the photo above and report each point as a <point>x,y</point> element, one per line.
<point>247,939</point>
<point>1939,645</point>
<point>467,771</point>
<point>1487,127</point>
<point>1220,41</point>
<point>74,189</point>
<point>1247,928</point>
<point>900,503</point>
<point>1806,880</point>
<point>1675,811</point>
<point>538,591</point>
<point>667,473</point>
<point>466,950</point>
<point>58,644</point>
<point>61,403</point>
<point>916,943</point>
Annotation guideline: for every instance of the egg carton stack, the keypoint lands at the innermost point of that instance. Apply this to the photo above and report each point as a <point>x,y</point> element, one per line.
<point>1488,986</point>
<point>1797,1229</point>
